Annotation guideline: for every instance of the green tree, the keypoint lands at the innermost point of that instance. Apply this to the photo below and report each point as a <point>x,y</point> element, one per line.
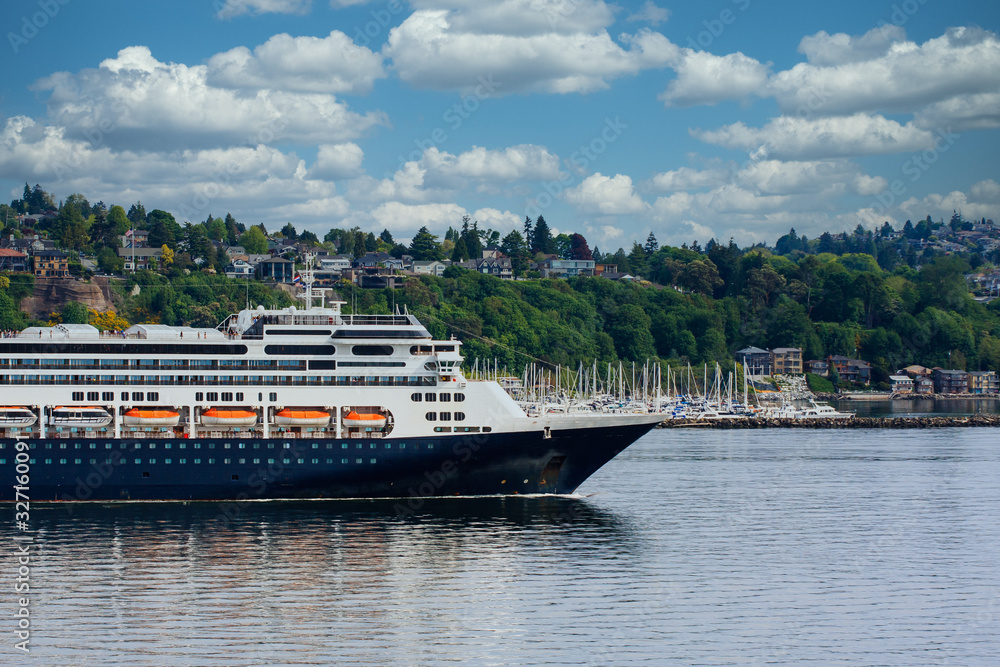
<point>629,328</point>
<point>541,237</point>
<point>637,261</point>
<point>514,247</point>
<point>163,229</point>
<point>424,246</point>
<point>137,214</point>
<point>651,245</point>
<point>459,253</point>
<point>254,241</point>
<point>108,261</point>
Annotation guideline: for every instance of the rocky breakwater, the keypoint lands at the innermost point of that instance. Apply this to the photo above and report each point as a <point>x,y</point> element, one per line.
<point>856,422</point>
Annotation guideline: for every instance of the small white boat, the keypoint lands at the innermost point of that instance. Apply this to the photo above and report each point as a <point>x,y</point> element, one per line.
<point>151,417</point>
<point>822,411</point>
<point>228,417</point>
<point>299,417</point>
<point>79,416</point>
<point>16,416</point>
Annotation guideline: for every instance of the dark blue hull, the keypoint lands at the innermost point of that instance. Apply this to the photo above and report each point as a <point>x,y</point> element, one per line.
<point>241,469</point>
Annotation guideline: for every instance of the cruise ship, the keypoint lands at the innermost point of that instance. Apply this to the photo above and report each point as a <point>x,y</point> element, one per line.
<point>280,403</point>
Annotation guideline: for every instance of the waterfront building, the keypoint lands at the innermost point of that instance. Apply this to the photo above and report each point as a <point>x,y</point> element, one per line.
<point>901,384</point>
<point>950,381</point>
<point>983,382</point>
<point>757,361</point>
<point>787,360</point>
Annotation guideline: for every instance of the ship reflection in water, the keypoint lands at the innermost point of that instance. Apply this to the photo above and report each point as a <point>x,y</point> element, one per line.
<point>271,580</point>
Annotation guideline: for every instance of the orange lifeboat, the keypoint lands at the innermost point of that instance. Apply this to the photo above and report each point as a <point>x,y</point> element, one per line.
<point>292,417</point>
<point>364,420</point>
<point>151,417</point>
<point>228,417</point>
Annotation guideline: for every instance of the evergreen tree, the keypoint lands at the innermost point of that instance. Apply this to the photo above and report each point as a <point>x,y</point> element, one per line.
<point>387,237</point>
<point>529,238</point>
<point>360,243</point>
<point>460,252</point>
<point>233,230</point>
<point>288,231</point>
<point>637,261</point>
<point>163,229</point>
<point>651,245</point>
<point>541,238</point>
<point>137,215</point>
<point>424,246</point>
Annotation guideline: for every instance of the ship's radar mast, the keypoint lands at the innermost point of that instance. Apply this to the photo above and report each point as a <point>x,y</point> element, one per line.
<point>308,277</point>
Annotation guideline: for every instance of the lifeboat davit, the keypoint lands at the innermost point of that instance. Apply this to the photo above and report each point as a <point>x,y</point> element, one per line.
<point>364,420</point>
<point>150,417</point>
<point>16,416</point>
<point>291,417</point>
<point>225,417</point>
<point>80,416</point>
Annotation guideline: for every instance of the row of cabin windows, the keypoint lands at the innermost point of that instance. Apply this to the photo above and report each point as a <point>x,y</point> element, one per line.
<point>206,364</point>
<point>236,380</point>
<point>151,396</point>
<point>462,429</point>
<point>444,416</point>
<point>256,461</point>
<point>445,397</point>
<point>226,396</point>
<point>241,445</point>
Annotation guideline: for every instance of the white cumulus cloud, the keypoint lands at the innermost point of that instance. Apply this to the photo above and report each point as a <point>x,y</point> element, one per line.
<point>705,78</point>
<point>428,51</point>
<point>794,138</point>
<point>331,64</point>
<point>233,8</point>
<point>613,195</point>
<point>136,101</point>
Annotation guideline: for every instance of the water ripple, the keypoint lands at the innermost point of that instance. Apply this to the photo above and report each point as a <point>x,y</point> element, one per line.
<point>712,548</point>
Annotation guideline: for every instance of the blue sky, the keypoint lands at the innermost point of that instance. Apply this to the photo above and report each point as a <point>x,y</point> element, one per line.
<point>730,118</point>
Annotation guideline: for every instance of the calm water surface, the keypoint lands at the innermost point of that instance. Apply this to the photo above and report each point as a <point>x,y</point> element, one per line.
<point>696,547</point>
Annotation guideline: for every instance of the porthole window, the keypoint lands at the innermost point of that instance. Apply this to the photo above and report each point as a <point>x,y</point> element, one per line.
<point>417,397</point>
<point>459,397</point>
<point>430,398</point>
<point>445,416</point>
<point>460,416</point>
<point>431,416</point>
<point>444,398</point>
